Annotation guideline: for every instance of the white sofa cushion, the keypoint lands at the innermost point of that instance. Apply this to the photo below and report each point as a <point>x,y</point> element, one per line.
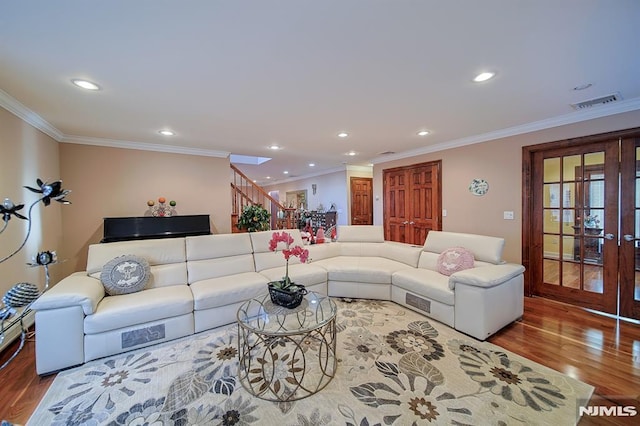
<point>484,248</point>
<point>126,310</point>
<point>217,246</point>
<point>429,260</point>
<point>199,270</point>
<point>167,258</point>
<point>373,270</point>
<point>304,274</point>
<point>215,292</point>
<point>266,259</point>
<point>425,282</point>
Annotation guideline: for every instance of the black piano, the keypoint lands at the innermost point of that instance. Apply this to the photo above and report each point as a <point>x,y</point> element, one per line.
<point>146,227</point>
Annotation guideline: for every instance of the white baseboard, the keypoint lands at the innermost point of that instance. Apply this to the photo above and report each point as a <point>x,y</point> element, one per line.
<point>13,332</point>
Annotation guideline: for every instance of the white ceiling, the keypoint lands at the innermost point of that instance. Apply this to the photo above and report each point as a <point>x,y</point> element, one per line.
<point>237,76</point>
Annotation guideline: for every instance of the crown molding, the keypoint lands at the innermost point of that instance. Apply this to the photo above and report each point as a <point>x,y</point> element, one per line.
<point>143,146</point>
<point>561,120</point>
<point>12,105</point>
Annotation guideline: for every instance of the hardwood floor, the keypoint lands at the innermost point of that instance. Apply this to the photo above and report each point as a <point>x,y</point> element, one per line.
<point>599,350</point>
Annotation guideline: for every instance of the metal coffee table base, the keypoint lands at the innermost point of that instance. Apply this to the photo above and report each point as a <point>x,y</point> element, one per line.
<point>287,367</point>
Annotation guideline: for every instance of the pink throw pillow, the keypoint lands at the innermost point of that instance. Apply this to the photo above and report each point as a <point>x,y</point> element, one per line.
<point>455,259</point>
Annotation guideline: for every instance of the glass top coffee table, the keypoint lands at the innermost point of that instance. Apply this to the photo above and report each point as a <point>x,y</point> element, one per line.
<point>286,354</point>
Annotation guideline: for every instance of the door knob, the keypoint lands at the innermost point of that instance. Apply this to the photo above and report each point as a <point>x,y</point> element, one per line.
<point>411,223</point>
<point>609,236</point>
<point>628,237</point>
<point>405,222</point>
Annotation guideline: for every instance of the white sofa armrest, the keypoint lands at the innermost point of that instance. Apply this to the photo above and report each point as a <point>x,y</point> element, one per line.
<point>78,289</point>
<point>486,276</point>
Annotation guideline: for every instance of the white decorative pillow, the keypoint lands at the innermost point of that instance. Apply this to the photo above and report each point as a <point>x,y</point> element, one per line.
<point>454,259</point>
<point>125,274</point>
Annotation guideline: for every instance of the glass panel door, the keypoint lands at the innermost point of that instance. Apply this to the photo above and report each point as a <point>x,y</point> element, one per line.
<point>577,212</point>
<point>630,229</point>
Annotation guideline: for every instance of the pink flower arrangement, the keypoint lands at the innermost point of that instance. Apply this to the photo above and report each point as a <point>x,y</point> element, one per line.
<point>297,251</point>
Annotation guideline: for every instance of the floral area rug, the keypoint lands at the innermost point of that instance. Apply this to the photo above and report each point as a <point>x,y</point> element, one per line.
<point>394,367</point>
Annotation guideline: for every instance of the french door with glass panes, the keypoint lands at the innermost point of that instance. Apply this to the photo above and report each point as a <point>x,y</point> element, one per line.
<point>586,225</point>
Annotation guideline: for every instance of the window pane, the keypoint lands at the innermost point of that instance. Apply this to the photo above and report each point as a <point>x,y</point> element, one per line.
<point>570,274</point>
<point>569,227</point>
<point>595,194</point>
<point>593,219</point>
<point>551,272</point>
<point>571,248</point>
<point>593,278</point>
<point>551,195</point>
<point>551,221</point>
<point>551,247</point>
<point>571,167</point>
<point>552,170</point>
<point>594,159</point>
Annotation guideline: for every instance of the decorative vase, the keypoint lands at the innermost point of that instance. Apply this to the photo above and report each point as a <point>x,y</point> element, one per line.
<point>592,231</point>
<point>287,298</point>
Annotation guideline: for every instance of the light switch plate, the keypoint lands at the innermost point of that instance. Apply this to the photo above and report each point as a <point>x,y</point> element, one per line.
<point>508,215</point>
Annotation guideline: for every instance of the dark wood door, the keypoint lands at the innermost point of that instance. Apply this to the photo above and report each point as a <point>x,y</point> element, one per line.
<point>412,202</point>
<point>361,201</point>
<point>584,228</point>
<point>630,229</point>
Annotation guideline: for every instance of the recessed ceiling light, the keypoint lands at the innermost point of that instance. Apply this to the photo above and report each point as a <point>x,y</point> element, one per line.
<point>166,132</point>
<point>423,133</point>
<point>286,172</point>
<point>274,147</point>
<point>85,84</point>
<point>268,177</point>
<point>484,76</point>
<point>343,134</point>
<point>312,164</point>
<point>351,153</point>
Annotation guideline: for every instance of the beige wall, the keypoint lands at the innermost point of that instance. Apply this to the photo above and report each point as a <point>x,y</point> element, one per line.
<point>500,163</point>
<point>118,182</point>
<point>111,182</point>
<point>25,155</point>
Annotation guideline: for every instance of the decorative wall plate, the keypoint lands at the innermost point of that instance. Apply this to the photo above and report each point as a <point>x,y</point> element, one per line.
<point>479,187</point>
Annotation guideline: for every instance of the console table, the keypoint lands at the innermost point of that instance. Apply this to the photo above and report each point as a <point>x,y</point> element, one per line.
<point>146,227</point>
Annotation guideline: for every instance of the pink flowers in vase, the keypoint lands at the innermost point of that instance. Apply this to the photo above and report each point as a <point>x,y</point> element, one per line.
<point>297,251</point>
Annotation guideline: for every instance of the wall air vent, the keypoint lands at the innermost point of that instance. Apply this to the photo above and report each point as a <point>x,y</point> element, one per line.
<point>597,101</point>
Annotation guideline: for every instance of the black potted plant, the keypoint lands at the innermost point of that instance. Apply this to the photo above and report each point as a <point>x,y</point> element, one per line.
<point>254,218</point>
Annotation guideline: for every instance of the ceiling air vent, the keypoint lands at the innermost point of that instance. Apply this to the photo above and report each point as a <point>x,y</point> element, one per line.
<point>387,153</point>
<point>598,101</point>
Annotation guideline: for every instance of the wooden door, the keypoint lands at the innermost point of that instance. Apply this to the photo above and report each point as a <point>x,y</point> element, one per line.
<point>630,229</point>
<point>582,239</point>
<point>412,202</point>
<point>361,201</point>
<point>576,205</point>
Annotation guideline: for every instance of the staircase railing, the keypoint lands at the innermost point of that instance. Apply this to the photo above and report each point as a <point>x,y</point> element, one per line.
<point>245,192</point>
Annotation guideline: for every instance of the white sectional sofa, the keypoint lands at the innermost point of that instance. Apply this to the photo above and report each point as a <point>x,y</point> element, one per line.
<point>197,283</point>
